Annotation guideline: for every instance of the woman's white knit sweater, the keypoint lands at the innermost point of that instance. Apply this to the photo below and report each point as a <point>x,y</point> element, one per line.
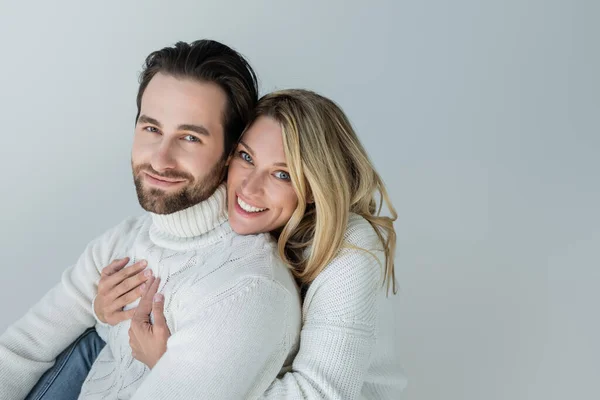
<point>231,304</point>
<point>347,341</point>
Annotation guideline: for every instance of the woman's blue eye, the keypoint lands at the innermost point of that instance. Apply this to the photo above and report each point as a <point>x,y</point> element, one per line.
<point>284,176</point>
<point>245,156</point>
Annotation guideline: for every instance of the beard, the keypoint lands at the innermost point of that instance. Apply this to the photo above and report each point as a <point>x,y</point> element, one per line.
<point>159,201</point>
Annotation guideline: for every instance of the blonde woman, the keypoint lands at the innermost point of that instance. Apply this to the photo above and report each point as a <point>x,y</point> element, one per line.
<point>301,173</point>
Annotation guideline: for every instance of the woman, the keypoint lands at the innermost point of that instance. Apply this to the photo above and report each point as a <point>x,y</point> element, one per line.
<point>301,157</point>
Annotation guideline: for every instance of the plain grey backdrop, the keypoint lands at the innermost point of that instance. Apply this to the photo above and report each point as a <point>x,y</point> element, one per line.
<point>481,116</point>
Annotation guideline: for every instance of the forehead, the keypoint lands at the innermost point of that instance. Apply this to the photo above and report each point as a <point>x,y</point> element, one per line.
<point>174,101</point>
<point>265,138</point>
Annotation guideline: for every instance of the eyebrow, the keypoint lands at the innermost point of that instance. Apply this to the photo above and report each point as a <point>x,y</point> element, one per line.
<point>199,129</point>
<point>144,119</point>
<point>246,146</point>
<point>280,164</point>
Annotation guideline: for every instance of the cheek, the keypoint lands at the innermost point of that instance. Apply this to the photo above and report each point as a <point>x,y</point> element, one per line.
<point>199,163</point>
<point>292,205</point>
<point>235,175</point>
<point>142,149</point>
<point>287,201</point>
<point>138,156</point>
<point>135,147</point>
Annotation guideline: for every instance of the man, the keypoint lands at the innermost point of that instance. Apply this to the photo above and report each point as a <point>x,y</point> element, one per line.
<point>231,305</point>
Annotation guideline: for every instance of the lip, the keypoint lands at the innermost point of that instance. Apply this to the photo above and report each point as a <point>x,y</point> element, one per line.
<point>245,200</point>
<point>161,182</point>
<point>243,212</point>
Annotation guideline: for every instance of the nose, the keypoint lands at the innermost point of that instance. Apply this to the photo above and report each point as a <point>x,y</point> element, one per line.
<point>253,184</point>
<point>164,158</point>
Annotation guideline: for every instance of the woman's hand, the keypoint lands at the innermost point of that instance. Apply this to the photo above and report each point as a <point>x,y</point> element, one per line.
<point>118,287</point>
<point>149,341</point>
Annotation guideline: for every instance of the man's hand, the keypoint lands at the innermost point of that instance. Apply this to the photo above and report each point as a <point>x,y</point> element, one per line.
<point>149,341</point>
<point>118,287</point>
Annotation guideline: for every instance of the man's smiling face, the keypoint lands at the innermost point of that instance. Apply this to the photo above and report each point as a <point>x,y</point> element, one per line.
<point>178,150</point>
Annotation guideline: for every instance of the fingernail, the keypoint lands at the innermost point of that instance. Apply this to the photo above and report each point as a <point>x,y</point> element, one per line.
<point>158,297</point>
<point>143,263</point>
<point>148,273</point>
<point>143,287</point>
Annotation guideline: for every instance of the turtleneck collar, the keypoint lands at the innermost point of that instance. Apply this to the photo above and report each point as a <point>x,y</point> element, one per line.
<point>197,222</point>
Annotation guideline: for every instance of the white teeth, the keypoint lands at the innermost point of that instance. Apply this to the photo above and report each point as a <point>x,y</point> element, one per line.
<point>247,207</point>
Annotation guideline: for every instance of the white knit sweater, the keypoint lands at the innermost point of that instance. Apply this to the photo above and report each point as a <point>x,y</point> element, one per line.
<point>339,357</point>
<point>231,304</point>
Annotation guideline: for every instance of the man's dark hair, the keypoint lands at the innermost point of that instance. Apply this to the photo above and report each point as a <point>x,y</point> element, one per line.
<point>209,61</point>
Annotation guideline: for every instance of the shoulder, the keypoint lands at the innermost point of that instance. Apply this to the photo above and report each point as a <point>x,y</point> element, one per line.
<point>344,294</point>
<point>246,297</point>
<point>355,274</point>
<point>128,227</point>
<point>257,255</point>
<point>250,288</point>
<point>360,232</point>
<point>245,262</point>
<point>361,256</point>
<point>252,246</point>
<point>114,242</point>
<point>262,261</point>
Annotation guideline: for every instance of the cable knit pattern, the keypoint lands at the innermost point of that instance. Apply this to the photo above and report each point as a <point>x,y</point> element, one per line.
<point>338,358</point>
<point>231,304</point>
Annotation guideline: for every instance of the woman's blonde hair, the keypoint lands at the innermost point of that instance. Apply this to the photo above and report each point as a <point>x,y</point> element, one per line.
<point>332,175</point>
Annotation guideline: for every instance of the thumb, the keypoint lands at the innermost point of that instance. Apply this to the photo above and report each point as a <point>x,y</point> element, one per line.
<point>158,310</point>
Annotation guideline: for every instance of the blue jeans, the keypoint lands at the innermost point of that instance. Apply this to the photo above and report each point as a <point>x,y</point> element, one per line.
<point>64,380</point>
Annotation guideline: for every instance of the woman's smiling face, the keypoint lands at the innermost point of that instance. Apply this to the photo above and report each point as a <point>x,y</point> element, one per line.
<point>260,196</point>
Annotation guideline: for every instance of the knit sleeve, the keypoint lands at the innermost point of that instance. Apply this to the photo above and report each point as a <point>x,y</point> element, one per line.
<point>338,332</point>
<point>29,347</point>
<point>230,349</point>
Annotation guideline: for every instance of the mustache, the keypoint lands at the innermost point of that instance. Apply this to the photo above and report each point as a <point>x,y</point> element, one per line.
<point>169,174</point>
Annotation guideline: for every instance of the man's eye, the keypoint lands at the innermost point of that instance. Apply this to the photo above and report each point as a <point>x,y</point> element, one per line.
<point>284,176</point>
<point>245,156</point>
<point>191,138</point>
<point>151,129</point>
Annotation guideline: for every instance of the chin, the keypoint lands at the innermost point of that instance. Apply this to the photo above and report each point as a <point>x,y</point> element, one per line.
<point>241,229</point>
<point>244,228</point>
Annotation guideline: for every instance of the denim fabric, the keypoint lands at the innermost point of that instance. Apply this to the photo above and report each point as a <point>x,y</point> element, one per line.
<point>64,380</point>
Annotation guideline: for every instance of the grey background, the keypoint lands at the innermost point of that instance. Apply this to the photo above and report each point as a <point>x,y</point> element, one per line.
<point>482,118</point>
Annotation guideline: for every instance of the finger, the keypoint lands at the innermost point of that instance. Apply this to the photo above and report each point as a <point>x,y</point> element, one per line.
<point>158,311</point>
<point>115,266</point>
<point>124,315</point>
<point>110,286</point>
<point>146,301</point>
<point>125,273</point>
<point>132,282</point>
<point>144,308</point>
<point>130,297</point>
